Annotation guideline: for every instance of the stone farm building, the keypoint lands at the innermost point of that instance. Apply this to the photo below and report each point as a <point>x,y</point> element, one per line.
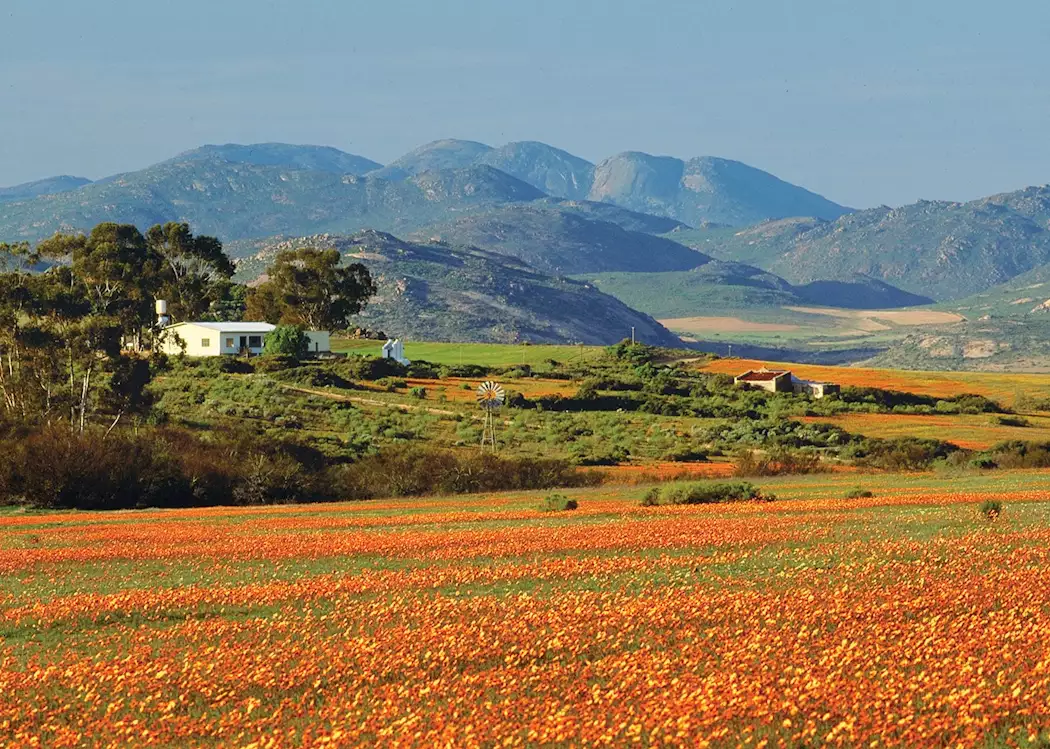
<point>228,338</point>
<point>782,381</point>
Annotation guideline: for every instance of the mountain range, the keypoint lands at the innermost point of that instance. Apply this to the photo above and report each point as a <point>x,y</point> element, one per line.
<point>940,249</point>
<point>671,237</point>
<point>241,191</point>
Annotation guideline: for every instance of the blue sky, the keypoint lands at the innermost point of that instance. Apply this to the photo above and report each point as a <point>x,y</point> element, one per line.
<point>866,103</point>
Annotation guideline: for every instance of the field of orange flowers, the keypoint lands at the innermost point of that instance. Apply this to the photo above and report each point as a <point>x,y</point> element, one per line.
<point>999,386</point>
<point>905,618</point>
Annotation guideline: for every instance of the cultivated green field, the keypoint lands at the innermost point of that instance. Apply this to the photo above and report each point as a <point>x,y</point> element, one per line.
<point>484,354</point>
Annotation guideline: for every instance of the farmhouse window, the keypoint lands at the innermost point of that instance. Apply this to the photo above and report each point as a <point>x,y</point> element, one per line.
<point>205,342</point>
<point>230,343</point>
<point>254,341</point>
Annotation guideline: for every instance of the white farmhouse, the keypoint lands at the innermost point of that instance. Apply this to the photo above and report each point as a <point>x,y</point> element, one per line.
<point>228,338</point>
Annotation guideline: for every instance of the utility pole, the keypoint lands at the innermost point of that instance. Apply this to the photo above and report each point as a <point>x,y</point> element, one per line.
<point>730,351</point>
<point>632,335</point>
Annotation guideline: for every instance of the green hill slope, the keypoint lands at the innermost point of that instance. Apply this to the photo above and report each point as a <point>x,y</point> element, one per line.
<point>726,288</point>
<point>1024,296</point>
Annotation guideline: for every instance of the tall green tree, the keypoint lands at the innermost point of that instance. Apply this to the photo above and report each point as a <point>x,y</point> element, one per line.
<point>196,274</point>
<point>312,288</point>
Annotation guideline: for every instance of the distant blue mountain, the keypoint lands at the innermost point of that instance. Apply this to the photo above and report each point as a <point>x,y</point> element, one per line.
<point>320,158</point>
<point>47,186</point>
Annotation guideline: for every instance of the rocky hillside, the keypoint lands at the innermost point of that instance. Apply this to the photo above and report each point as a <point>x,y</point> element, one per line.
<point>550,169</point>
<point>996,345</point>
<point>443,293</point>
<point>703,189</point>
<point>322,158</point>
<point>938,249</point>
<point>440,154</point>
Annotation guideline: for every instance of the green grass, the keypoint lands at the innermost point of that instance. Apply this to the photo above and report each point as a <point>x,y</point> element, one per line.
<point>484,354</point>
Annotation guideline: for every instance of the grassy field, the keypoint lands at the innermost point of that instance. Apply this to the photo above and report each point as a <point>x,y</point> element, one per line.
<point>906,618</point>
<point>484,354</point>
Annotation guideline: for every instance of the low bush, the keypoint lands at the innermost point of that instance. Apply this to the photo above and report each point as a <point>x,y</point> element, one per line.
<point>1013,421</point>
<point>558,503</point>
<point>704,494</point>
<point>418,392</point>
<point>1017,454</point>
<point>419,471</point>
<point>391,383</point>
<point>57,468</point>
<point>778,462</point>
<point>991,509</point>
<point>901,454</point>
<point>274,363</point>
<point>371,368</point>
<point>599,455</point>
<point>685,454</point>
<point>859,493</point>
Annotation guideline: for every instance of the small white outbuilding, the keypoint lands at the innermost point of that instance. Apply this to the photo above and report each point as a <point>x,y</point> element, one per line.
<point>395,349</point>
<point>228,338</point>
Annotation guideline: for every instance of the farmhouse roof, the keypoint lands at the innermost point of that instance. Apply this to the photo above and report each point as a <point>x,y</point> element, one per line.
<point>763,375</point>
<point>230,327</point>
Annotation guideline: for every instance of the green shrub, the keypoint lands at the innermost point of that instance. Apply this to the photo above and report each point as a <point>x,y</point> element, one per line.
<point>685,454</point>
<point>900,454</point>
<point>1013,421</point>
<point>777,462</point>
<point>419,471</point>
<point>391,383</point>
<point>859,493</point>
<point>991,509</point>
<point>373,368</point>
<point>418,392</point>
<point>983,463</point>
<point>274,363</point>
<point>56,468</point>
<point>1018,454</point>
<point>703,494</point>
<point>286,340</point>
<point>558,503</point>
<point>651,498</point>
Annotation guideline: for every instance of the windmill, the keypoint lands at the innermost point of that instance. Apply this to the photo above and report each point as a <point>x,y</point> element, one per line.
<point>490,398</point>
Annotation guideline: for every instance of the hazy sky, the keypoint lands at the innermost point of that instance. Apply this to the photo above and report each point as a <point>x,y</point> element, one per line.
<point>866,103</point>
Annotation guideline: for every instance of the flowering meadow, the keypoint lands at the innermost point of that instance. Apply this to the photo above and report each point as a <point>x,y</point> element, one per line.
<point>906,618</point>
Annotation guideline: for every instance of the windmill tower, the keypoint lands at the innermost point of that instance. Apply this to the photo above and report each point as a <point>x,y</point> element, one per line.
<point>490,397</point>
